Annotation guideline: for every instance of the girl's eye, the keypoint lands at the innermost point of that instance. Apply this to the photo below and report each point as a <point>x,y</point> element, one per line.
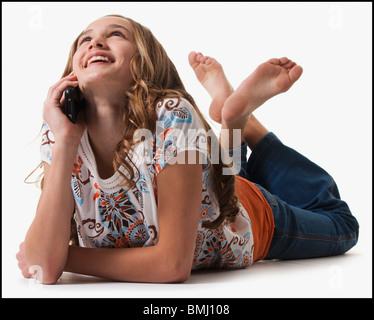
<point>114,33</point>
<point>117,33</point>
<point>84,40</point>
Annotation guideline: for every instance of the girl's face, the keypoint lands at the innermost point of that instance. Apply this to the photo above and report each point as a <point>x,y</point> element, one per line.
<point>103,55</point>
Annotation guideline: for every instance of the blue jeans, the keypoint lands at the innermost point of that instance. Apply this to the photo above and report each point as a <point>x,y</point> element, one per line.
<point>310,218</point>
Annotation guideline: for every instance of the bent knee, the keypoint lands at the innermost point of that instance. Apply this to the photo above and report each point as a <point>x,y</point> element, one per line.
<point>351,233</point>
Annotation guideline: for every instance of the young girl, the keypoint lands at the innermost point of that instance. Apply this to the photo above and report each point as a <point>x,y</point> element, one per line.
<point>153,206</point>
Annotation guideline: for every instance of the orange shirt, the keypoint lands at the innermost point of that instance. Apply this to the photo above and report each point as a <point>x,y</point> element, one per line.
<point>260,214</point>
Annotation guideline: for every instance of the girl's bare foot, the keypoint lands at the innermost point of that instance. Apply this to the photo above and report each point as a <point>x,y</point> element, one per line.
<point>269,79</point>
<point>210,74</point>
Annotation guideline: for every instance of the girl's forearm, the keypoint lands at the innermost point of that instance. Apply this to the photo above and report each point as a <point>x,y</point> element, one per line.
<point>47,240</point>
<point>143,264</point>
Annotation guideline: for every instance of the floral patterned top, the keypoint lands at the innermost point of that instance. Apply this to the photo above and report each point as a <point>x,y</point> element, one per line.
<point>108,215</point>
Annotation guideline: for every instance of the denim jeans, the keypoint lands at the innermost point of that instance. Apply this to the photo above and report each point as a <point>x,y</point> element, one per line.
<point>310,218</point>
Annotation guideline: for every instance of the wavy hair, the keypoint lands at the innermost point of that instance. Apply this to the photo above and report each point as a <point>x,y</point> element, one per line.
<point>155,78</point>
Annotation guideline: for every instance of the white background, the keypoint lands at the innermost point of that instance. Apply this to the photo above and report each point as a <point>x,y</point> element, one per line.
<point>326,116</point>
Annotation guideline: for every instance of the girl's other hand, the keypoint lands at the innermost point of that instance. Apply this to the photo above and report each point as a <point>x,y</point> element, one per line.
<point>63,129</point>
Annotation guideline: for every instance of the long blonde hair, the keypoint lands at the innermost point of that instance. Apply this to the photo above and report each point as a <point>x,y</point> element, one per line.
<point>154,78</point>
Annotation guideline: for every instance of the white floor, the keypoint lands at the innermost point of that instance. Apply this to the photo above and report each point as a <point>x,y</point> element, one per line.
<point>346,276</point>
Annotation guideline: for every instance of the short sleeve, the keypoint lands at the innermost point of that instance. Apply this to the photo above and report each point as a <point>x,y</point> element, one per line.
<point>47,143</point>
<point>178,129</point>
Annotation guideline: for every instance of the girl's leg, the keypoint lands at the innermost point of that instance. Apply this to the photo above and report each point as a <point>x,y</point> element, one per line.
<point>253,133</point>
<point>310,218</point>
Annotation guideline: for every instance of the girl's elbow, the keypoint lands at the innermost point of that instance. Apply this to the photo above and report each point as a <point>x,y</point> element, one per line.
<point>51,274</point>
<point>179,276</point>
<point>44,268</point>
<point>178,272</point>
<point>50,280</point>
<point>45,275</point>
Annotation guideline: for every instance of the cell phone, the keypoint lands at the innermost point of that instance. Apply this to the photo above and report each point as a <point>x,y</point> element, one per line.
<point>73,103</point>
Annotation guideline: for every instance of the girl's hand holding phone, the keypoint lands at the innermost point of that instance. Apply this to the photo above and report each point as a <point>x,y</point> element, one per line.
<point>63,129</point>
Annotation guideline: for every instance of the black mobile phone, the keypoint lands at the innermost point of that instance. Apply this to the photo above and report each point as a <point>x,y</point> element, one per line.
<point>73,103</point>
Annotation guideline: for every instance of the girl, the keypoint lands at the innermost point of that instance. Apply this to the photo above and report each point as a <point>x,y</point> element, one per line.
<point>134,191</point>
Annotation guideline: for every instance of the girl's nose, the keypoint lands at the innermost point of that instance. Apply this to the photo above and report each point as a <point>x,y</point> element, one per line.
<point>97,43</point>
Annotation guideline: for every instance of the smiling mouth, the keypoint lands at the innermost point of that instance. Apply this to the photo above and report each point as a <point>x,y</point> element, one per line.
<point>97,59</point>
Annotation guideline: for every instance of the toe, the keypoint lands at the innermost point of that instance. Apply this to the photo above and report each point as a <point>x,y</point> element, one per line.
<point>192,59</point>
<point>210,61</point>
<point>295,73</point>
<point>284,60</point>
<point>203,59</point>
<point>274,61</point>
<point>199,55</point>
<point>290,64</point>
